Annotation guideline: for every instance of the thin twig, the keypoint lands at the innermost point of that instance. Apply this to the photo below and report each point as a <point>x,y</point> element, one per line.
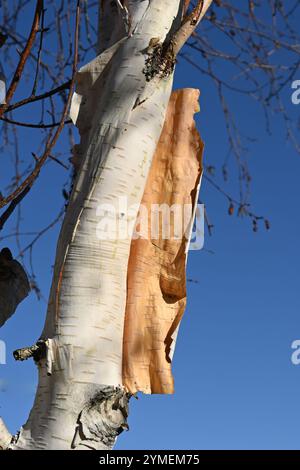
<point>8,212</point>
<point>34,126</point>
<point>50,142</point>
<point>33,99</point>
<point>38,63</point>
<point>24,56</point>
<point>41,233</point>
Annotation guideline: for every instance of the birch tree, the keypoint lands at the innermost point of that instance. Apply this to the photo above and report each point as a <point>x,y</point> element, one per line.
<point>107,333</point>
<point>120,108</point>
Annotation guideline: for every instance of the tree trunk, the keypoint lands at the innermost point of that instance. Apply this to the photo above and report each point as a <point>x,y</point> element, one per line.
<point>119,108</point>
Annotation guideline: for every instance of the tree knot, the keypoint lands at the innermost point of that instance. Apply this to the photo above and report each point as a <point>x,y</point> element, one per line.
<point>160,60</point>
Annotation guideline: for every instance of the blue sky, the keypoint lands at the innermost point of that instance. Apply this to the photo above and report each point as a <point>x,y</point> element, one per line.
<point>236,387</point>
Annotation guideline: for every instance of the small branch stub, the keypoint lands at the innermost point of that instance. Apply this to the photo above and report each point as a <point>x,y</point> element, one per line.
<point>37,352</point>
<point>161,57</point>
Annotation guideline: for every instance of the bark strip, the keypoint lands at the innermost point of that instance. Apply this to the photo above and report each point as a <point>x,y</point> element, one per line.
<point>156,283</point>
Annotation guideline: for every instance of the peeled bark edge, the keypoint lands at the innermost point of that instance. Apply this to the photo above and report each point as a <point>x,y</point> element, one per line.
<point>156,278</point>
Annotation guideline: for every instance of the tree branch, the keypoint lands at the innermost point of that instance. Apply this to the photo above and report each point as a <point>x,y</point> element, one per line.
<point>189,24</point>
<point>50,142</point>
<point>32,125</point>
<point>24,56</point>
<point>37,351</point>
<point>8,212</point>
<point>32,99</point>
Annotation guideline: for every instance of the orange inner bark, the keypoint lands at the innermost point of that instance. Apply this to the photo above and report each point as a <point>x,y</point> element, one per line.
<point>156,284</point>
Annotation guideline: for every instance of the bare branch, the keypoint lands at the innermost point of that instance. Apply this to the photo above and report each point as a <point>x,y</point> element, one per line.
<point>34,126</point>
<point>33,99</point>
<point>24,56</point>
<point>6,214</point>
<point>189,24</point>
<point>50,142</point>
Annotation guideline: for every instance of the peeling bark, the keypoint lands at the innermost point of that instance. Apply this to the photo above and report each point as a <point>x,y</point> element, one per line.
<point>81,401</point>
<point>156,284</point>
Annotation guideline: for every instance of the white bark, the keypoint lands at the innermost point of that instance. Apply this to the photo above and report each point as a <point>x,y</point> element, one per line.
<point>5,436</point>
<point>80,402</point>
<point>87,301</point>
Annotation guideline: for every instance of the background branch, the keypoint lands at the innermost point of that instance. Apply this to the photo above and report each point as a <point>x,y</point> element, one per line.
<point>24,55</point>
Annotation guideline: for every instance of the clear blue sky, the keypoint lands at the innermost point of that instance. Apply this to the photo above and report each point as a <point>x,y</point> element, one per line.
<point>236,387</point>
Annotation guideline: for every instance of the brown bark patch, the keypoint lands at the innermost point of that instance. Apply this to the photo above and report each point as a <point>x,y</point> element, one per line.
<point>156,285</point>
